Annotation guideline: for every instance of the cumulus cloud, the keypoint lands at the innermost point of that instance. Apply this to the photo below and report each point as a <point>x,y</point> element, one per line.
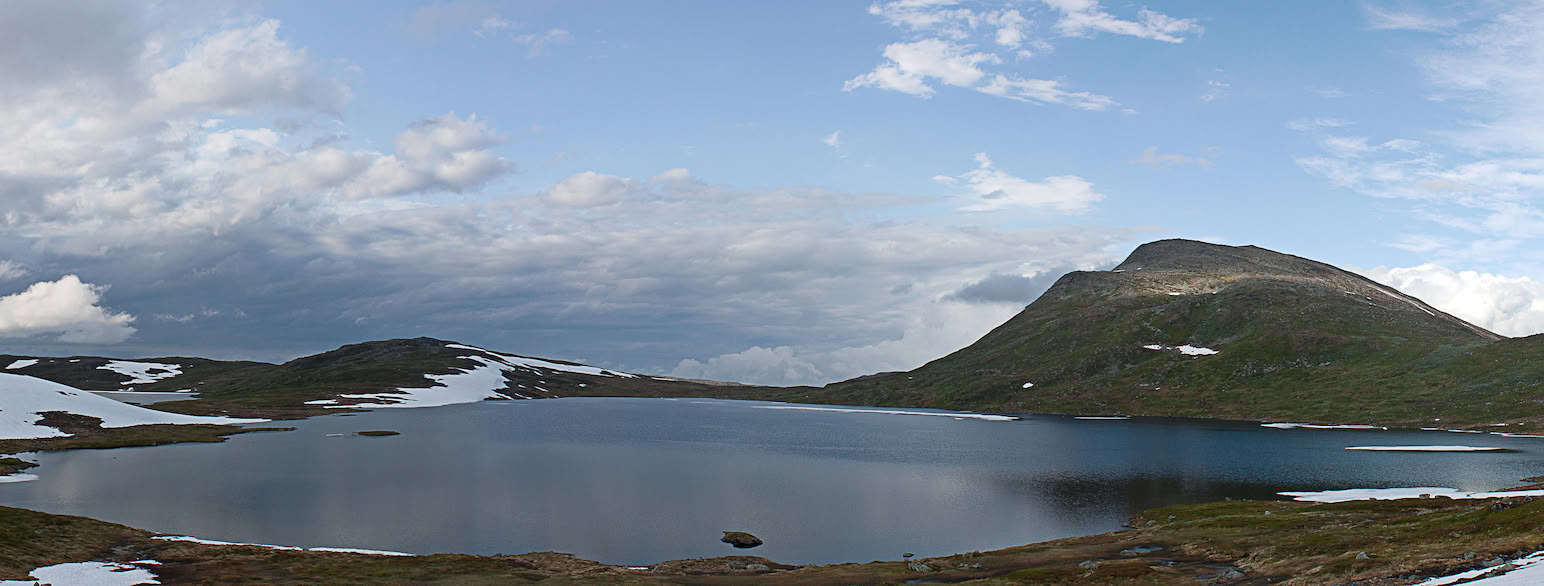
<point>960,48</point>
<point>590,189</point>
<point>995,189</point>
<point>68,308</point>
<point>1511,306</point>
<point>245,68</point>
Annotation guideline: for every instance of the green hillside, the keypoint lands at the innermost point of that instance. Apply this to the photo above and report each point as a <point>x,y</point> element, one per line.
<point>1295,340</point>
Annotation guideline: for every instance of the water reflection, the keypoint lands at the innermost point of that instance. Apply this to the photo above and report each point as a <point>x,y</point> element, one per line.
<point>637,481</point>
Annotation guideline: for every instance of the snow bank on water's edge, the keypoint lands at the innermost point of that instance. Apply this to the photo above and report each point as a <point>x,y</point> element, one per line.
<point>24,398</point>
<point>18,477</point>
<point>1312,426</point>
<point>92,573</point>
<point>187,539</point>
<point>893,412</point>
<point>1426,449</point>
<point>469,386</point>
<point>1525,572</point>
<point>23,363</point>
<point>1391,494</point>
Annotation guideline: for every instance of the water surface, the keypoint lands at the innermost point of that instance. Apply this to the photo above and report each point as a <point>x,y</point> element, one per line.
<point>636,481</point>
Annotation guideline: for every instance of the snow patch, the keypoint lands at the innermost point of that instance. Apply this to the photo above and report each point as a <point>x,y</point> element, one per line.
<point>1103,417</point>
<point>1312,426</point>
<point>1029,385</point>
<point>1507,434</point>
<point>23,400</point>
<point>1426,449</point>
<point>323,402</point>
<point>87,573</point>
<point>23,363</point>
<point>1390,494</point>
<point>1525,572</point>
<point>468,386</point>
<point>892,412</point>
<point>17,477</point>
<point>139,372</point>
<point>187,539</point>
<point>1186,349</point>
<point>537,364</point>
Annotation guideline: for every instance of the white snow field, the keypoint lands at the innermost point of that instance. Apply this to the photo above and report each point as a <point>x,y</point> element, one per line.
<point>139,372</point>
<point>980,416</point>
<point>23,363</point>
<point>470,386</point>
<point>24,398</point>
<point>87,574</point>
<point>1426,449</point>
<point>537,364</point>
<point>1394,494</point>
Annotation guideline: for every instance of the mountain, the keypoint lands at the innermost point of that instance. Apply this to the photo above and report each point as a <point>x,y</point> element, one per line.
<point>1185,328</point>
<point>417,372</point>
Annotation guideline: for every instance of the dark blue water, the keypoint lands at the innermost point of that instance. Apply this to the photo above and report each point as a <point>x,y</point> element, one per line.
<point>636,481</point>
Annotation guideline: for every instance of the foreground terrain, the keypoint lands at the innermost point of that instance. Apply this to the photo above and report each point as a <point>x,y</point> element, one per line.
<point>1234,542</point>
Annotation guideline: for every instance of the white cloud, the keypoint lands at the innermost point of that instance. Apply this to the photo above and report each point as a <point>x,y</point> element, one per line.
<point>1386,19</point>
<point>1511,306</point>
<point>1010,27</point>
<point>242,69</point>
<point>942,16</point>
<point>538,43</point>
<point>911,65</point>
<point>1151,157</point>
<point>590,189</point>
<point>995,189</point>
<point>66,307</point>
<point>834,140</point>
<point>490,26</point>
<point>1215,89</point>
<point>1305,124</point>
<point>1044,91</point>
<point>1082,18</point>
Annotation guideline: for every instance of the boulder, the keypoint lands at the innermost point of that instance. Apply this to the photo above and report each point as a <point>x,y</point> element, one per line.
<point>740,539</point>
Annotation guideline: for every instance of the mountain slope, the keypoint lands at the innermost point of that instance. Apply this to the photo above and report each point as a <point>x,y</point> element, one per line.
<point>1293,339</point>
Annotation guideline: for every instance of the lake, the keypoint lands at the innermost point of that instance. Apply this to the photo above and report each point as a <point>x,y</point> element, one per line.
<point>638,481</point>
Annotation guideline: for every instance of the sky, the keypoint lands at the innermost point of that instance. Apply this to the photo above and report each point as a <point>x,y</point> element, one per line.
<point>788,193</point>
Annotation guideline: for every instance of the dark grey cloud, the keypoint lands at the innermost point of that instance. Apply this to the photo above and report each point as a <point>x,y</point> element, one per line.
<point>1009,288</point>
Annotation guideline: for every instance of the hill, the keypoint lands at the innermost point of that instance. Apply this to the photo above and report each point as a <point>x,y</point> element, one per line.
<point>1185,328</point>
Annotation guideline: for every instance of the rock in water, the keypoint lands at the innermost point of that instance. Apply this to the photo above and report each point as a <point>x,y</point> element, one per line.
<point>740,539</point>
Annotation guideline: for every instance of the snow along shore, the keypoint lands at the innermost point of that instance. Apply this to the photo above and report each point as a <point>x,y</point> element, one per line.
<point>23,400</point>
<point>187,539</point>
<point>1426,449</point>
<point>1394,494</point>
<point>468,386</point>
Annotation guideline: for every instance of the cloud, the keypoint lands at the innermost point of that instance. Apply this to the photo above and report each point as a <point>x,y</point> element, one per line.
<point>11,270</point>
<point>1152,158</point>
<point>591,189</point>
<point>910,65</point>
<point>490,26</point>
<point>66,307</point>
<point>1083,18</point>
<point>1304,124</point>
<point>939,328</point>
<point>1044,91</point>
<point>1511,306</point>
<point>240,69</point>
<point>1215,89</point>
<point>995,189</point>
<point>538,43</point>
<point>1386,19</point>
<point>1329,92</point>
<point>834,140</point>
<point>1011,289</point>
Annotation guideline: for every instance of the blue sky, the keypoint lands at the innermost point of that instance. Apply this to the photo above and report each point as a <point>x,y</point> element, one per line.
<point>788,193</point>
